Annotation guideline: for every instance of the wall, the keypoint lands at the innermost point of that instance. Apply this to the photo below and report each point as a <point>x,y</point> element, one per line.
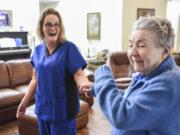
<point>173,14</point>
<point>130,14</point>
<point>74,14</point>
<point>24,13</point>
<point>117,17</point>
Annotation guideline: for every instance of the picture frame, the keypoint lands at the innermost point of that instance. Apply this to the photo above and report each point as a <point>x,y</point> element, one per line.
<point>5,18</point>
<point>93,26</point>
<point>145,12</point>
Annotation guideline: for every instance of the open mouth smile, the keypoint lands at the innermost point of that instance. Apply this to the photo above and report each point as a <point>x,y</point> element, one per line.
<point>52,34</point>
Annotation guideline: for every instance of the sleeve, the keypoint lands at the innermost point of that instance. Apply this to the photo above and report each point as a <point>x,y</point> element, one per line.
<point>75,60</point>
<point>32,58</point>
<point>142,111</point>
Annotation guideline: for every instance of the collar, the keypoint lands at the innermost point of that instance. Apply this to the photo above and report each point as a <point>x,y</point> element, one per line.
<point>166,65</point>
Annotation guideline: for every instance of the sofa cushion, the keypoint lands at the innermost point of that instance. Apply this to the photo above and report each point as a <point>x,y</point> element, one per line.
<point>20,72</point>
<point>4,76</point>
<point>9,97</point>
<point>22,88</point>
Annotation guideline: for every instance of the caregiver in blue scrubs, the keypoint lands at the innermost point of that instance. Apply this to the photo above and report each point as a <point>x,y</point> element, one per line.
<point>57,68</point>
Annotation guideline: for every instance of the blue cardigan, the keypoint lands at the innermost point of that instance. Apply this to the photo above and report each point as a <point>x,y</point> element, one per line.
<point>149,106</point>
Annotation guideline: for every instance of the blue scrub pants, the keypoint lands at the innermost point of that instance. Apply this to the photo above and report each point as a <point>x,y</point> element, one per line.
<point>56,128</point>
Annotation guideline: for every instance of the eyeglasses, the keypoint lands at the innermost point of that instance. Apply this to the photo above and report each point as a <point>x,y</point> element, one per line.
<point>50,25</point>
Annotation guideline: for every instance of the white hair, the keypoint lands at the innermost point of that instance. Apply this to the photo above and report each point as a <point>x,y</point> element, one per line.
<point>160,26</point>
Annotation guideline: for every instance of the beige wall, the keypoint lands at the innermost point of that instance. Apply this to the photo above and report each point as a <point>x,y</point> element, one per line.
<point>117,17</point>
<point>25,13</point>
<point>130,14</point>
<point>74,14</point>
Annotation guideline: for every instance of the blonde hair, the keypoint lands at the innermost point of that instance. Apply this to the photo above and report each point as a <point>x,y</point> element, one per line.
<point>46,12</point>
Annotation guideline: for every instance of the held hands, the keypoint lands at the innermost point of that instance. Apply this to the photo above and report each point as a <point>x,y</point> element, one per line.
<point>86,89</point>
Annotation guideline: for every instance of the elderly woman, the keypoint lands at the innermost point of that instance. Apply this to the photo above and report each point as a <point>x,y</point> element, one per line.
<point>150,105</point>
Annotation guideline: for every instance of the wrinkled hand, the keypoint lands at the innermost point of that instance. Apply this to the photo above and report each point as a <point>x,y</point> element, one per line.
<point>86,89</point>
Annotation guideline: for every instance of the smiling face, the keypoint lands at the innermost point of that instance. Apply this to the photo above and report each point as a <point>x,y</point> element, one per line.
<point>51,29</point>
<point>144,52</point>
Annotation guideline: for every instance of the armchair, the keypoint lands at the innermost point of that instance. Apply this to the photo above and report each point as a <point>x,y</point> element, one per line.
<point>121,68</point>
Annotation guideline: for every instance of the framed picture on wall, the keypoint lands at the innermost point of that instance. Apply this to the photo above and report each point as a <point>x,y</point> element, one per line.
<point>145,12</point>
<point>5,18</point>
<point>93,26</point>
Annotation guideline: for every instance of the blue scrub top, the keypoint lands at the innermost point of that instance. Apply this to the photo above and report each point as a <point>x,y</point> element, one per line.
<point>55,101</point>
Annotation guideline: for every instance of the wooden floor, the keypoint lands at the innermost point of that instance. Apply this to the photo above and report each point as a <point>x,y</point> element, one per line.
<point>97,124</point>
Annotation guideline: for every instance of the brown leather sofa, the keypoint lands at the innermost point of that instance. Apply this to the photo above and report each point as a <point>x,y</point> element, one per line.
<point>15,76</point>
